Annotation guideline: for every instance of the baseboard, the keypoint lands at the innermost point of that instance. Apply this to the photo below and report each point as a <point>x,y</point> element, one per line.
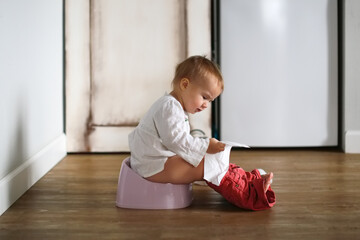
<point>17,182</point>
<point>352,142</point>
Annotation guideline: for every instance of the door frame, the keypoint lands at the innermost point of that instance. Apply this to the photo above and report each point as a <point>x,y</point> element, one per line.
<point>216,56</point>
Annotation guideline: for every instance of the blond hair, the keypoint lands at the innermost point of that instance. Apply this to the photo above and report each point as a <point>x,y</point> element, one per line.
<point>197,68</point>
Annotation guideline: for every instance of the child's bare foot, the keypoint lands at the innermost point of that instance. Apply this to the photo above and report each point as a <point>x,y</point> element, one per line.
<point>267,180</point>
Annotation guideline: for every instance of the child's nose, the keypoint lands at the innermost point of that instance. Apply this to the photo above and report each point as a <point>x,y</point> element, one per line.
<point>205,104</point>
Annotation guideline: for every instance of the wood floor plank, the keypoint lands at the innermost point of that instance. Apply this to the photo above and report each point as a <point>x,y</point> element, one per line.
<point>318,197</point>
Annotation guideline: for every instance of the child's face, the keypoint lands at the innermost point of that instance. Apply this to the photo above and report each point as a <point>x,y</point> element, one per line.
<point>199,94</point>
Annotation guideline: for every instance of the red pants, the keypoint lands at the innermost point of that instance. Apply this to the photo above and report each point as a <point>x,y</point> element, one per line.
<point>245,189</point>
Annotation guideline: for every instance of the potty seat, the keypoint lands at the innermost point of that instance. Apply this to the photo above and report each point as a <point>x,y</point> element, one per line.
<point>136,192</point>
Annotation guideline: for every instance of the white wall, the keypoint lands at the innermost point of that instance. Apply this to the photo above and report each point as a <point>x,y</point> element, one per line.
<point>281,86</point>
<point>31,94</point>
<point>351,77</point>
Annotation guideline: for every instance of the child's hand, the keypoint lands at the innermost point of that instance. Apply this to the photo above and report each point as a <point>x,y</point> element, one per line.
<point>215,146</point>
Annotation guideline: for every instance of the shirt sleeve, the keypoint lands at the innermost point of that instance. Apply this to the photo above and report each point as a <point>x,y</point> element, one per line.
<point>174,132</point>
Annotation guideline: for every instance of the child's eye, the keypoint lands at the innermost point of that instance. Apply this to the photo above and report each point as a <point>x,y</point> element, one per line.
<point>207,99</point>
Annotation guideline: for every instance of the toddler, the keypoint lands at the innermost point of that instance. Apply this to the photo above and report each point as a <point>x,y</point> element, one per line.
<point>163,151</point>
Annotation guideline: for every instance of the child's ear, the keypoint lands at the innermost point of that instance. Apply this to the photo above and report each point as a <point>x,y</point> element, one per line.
<point>184,83</point>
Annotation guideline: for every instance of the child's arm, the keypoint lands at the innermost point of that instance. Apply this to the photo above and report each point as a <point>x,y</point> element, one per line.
<point>215,146</point>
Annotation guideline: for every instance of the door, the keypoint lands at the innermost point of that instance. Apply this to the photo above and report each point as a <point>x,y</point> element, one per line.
<point>279,61</point>
<point>120,57</point>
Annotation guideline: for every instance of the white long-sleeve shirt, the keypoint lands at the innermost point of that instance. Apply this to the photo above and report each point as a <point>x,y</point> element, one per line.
<point>162,133</point>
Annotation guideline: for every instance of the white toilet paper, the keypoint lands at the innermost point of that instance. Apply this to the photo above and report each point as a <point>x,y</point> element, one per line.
<point>216,165</point>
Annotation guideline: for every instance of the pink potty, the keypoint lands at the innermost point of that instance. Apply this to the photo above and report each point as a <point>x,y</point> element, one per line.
<point>136,192</point>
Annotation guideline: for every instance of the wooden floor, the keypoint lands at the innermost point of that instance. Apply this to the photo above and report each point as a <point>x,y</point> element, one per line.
<point>318,197</point>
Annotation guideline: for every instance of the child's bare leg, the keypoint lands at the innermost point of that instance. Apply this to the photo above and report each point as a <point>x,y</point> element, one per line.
<point>267,180</point>
<point>178,171</point>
